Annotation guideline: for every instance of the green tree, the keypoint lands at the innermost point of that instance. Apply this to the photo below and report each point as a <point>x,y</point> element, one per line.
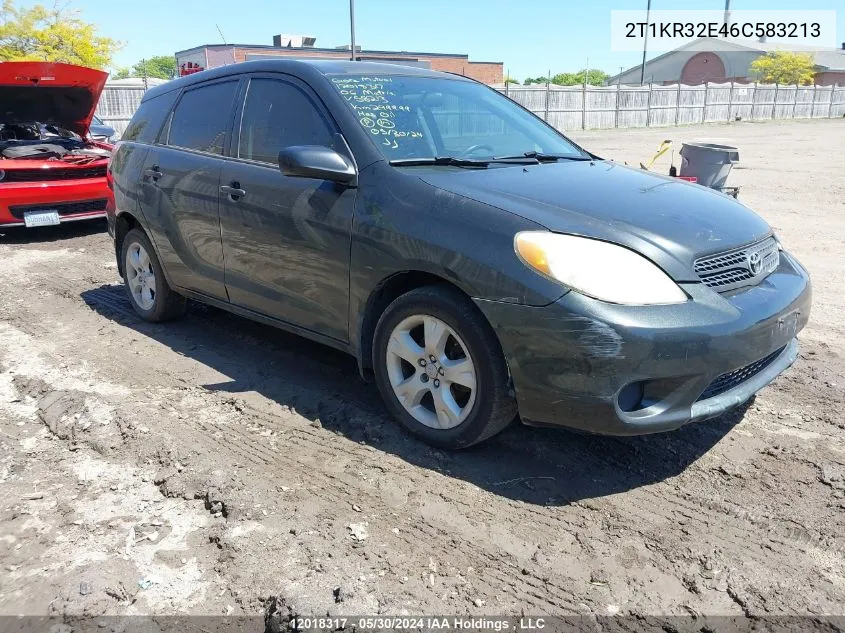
<point>784,67</point>
<point>161,66</point>
<point>52,35</point>
<point>594,77</point>
<point>511,80</point>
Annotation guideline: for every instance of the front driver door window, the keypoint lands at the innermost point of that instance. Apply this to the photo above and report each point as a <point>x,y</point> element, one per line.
<point>279,115</point>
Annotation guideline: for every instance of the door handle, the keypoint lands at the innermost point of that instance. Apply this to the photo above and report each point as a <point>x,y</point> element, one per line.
<point>153,172</point>
<point>233,191</point>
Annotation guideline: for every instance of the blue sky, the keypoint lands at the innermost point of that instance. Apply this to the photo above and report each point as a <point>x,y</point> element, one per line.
<point>530,37</point>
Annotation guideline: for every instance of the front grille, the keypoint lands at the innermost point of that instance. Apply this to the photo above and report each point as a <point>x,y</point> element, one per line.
<point>59,173</point>
<point>728,381</point>
<point>64,208</point>
<point>739,267</point>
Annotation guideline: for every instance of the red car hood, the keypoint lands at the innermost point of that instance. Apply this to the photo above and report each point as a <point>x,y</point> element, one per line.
<point>63,95</point>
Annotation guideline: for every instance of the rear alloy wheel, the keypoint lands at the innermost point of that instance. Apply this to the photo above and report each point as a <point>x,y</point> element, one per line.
<point>140,277</point>
<point>440,369</point>
<point>148,291</point>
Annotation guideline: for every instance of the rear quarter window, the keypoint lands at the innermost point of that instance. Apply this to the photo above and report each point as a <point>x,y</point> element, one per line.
<point>149,118</point>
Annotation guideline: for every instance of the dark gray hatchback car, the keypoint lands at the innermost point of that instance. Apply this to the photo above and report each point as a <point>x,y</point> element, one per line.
<point>479,264</point>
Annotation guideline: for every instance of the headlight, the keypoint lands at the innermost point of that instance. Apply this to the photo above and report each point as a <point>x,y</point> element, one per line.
<point>599,269</point>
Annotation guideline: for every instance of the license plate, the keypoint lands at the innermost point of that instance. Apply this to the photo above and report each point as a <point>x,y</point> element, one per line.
<point>40,218</point>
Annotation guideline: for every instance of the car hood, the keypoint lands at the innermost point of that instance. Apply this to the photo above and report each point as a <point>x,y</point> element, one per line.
<point>63,95</point>
<point>670,221</point>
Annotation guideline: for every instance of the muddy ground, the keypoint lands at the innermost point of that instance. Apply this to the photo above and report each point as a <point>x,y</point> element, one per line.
<point>209,465</point>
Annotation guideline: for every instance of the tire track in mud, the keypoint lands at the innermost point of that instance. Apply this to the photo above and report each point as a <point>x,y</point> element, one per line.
<point>335,490</point>
<point>113,298</point>
<point>300,451</point>
<point>735,533</point>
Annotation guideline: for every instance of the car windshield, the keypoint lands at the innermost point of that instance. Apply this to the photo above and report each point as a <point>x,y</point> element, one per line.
<point>431,117</point>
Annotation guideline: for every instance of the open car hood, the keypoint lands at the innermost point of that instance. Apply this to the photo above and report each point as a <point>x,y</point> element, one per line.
<point>63,95</point>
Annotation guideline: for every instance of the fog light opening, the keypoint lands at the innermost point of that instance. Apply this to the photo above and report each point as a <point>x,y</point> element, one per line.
<point>630,397</point>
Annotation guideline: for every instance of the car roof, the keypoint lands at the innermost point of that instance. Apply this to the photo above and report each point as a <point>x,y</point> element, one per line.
<point>302,67</point>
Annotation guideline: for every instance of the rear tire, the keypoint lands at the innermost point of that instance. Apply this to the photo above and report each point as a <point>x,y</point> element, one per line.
<point>440,369</point>
<point>150,295</point>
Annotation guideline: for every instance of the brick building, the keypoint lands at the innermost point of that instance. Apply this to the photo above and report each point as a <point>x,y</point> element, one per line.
<point>302,47</point>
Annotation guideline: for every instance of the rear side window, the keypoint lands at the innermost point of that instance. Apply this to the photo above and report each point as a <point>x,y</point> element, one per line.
<point>149,117</point>
<point>201,119</point>
<point>277,115</point>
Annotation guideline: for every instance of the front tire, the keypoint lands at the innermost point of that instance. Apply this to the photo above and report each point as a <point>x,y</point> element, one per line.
<point>150,295</point>
<point>440,369</point>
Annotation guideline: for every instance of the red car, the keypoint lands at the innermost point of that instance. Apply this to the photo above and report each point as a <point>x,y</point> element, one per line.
<point>50,171</point>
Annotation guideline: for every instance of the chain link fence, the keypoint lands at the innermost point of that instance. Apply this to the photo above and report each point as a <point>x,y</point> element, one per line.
<point>118,104</point>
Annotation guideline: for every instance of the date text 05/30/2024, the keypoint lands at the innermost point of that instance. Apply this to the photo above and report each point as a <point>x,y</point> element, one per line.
<point>419,623</point>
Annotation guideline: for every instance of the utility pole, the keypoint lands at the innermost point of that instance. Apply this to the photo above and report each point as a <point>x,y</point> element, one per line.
<point>645,41</point>
<point>728,13</point>
<point>352,28</point>
<point>584,97</point>
<point>548,81</point>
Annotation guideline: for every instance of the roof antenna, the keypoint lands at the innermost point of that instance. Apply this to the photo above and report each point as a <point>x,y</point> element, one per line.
<point>222,37</point>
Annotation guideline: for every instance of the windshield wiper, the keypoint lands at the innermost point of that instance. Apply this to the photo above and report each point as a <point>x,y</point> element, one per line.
<point>547,158</point>
<point>454,161</point>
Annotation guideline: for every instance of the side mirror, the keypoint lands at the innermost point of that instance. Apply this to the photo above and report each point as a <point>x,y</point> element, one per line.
<point>317,161</point>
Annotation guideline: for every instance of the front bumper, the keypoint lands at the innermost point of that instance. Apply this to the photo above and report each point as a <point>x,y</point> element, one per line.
<point>628,370</point>
<point>60,194</point>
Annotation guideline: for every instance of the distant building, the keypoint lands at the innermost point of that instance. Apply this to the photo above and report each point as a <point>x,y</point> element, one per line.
<point>206,56</point>
<point>696,63</point>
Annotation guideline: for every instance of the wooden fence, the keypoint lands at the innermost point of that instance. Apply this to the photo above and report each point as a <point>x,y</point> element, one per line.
<point>571,107</point>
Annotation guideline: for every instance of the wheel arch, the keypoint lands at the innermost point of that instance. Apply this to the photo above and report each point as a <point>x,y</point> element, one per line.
<point>123,223</point>
<point>383,294</point>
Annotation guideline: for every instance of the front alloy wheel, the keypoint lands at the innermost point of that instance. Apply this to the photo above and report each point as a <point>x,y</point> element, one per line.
<point>431,371</point>
<point>440,368</point>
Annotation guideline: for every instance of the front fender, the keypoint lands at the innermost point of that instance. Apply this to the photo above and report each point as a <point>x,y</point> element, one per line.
<point>403,225</point>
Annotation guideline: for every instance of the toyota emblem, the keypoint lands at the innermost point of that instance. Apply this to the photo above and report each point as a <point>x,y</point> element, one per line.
<point>755,263</point>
